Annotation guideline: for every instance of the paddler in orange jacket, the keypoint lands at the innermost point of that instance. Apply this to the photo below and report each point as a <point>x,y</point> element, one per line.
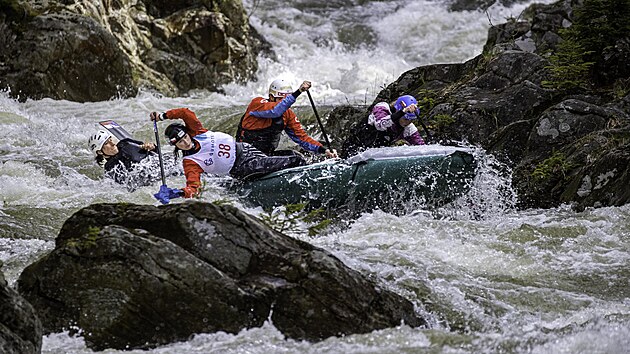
<point>265,119</point>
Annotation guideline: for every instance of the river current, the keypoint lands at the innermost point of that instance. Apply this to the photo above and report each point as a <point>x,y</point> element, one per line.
<point>488,277</point>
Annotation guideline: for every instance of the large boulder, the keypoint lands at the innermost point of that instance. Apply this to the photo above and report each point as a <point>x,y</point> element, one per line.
<point>585,172</point>
<point>477,98</point>
<point>20,329</point>
<point>564,146</point>
<point>95,50</point>
<point>137,276</point>
<point>63,56</point>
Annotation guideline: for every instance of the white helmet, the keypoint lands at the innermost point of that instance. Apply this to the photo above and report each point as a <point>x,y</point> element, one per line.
<point>280,88</point>
<point>97,140</point>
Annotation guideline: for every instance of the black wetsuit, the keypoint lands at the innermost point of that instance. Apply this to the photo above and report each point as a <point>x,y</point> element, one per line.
<point>251,162</point>
<point>129,153</point>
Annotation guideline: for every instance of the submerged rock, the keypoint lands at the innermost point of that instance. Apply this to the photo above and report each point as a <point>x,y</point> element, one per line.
<point>132,276</point>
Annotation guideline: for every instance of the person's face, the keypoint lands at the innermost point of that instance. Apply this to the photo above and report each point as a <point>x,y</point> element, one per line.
<point>185,143</point>
<point>109,148</point>
<point>280,97</point>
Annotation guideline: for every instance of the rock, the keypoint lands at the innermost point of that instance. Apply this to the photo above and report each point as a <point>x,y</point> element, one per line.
<point>564,123</point>
<point>615,63</point>
<point>133,276</point>
<point>507,142</point>
<point>20,329</point>
<point>96,50</point>
<point>472,5</point>
<point>586,172</point>
<point>561,144</point>
<point>481,96</point>
<point>63,56</point>
<point>598,183</point>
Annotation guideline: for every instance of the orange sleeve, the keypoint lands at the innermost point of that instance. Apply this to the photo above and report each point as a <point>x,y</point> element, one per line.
<point>193,178</point>
<point>296,132</point>
<point>254,123</point>
<point>193,125</point>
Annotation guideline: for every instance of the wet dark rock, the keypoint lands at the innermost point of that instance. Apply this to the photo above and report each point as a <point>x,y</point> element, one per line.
<point>63,56</point>
<point>471,5</point>
<point>81,51</point>
<point>134,276</point>
<point>589,172</point>
<point>20,329</point>
<point>564,146</point>
<point>565,123</point>
<point>615,63</point>
<point>536,30</point>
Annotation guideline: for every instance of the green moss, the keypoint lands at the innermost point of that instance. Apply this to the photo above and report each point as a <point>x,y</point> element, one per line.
<point>556,165</point>
<point>485,58</point>
<point>426,100</point>
<point>72,243</point>
<point>93,232</point>
<point>440,121</point>
<point>621,88</point>
<point>288,218</point>
<point>222,202</point>
<point>79,245</point>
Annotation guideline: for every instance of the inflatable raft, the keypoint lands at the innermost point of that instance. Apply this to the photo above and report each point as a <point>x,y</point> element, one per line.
<point>386,178</point>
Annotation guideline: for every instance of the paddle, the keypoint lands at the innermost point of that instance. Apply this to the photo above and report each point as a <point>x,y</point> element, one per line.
<point>429,137</point>
<point>115,129</point>
<point>162,195</point>
<point>321,126</point>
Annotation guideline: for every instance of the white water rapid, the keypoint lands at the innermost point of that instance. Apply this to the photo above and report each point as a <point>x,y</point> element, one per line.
<point>488,277</point>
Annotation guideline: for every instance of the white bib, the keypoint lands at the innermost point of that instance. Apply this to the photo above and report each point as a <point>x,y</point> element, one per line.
<point>217,153</point>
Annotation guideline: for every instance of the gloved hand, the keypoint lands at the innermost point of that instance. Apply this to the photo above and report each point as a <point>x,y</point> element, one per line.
<point>155,116</point>
<point>331,154</point>
<point>165,194</point>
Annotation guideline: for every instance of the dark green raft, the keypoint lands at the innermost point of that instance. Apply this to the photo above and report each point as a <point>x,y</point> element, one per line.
<point>385,178</point>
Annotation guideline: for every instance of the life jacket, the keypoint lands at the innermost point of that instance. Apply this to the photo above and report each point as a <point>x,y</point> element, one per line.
<point>216,154</point>
<point>264,139</point>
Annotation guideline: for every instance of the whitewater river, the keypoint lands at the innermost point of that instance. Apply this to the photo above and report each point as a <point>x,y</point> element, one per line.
<point>488,277</point>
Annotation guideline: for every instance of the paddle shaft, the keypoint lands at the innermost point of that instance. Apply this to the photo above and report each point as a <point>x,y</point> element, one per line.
<point>321,126</point>
<point>429,137</point>
<point>157,143</point>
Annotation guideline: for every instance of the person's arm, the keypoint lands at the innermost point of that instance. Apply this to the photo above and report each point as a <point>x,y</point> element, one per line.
<point>382,118</point>
<point>192,123</point>
<point>396,116</point>
<point>295,131</point>
<point>412,135</point>
<point>278,110</point>
<point>193,178</point>
<point>147,146</point>
<point>286,103</point>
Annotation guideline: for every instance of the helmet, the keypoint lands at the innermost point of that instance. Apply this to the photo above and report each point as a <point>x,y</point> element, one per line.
<point>280,88</point>
<point>175,132</point>
<point>405,101</point>
<point>96,141</point>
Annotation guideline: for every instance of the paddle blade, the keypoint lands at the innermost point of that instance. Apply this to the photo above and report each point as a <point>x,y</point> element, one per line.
<point>163,195</point>
<point>115,129</point>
